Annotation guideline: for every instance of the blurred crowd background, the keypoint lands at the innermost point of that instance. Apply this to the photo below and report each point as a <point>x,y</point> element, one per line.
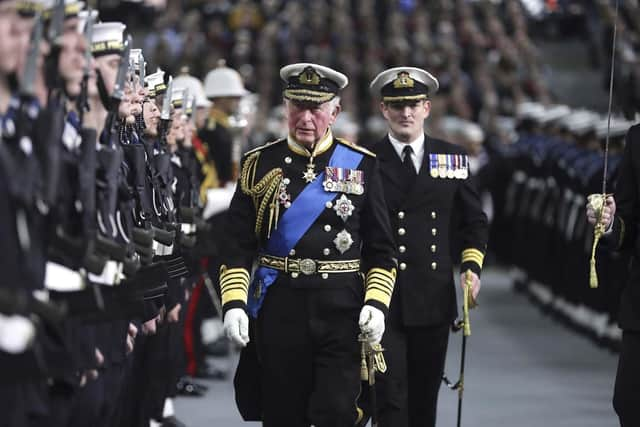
<point>486,54</point>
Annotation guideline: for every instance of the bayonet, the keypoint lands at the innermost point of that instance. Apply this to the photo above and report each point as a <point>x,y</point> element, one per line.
<point>83,100</point>
<point>166,102</point>
<point>29,75</point>
<point>118,89</point>
<point>57,22</point>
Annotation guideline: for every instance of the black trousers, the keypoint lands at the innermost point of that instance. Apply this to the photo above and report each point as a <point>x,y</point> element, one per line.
<point>309,354</point>
<point>626,397</point>
<point>408,391</point>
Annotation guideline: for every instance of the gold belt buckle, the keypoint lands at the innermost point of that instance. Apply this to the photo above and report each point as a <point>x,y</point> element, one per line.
<point>308,266</point>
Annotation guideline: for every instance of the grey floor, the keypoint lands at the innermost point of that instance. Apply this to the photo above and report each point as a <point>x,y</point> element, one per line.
<point>522,370</point>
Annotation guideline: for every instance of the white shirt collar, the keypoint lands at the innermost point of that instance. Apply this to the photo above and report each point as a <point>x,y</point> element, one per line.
<point>417,145</point>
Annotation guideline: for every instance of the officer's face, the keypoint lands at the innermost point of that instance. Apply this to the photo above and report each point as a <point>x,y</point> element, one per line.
<point>9,33</point>
<point>406,120</point>
<point>308,123</point>
<point>108,66</point>
<point>72,61</point>
<point>151,118</point>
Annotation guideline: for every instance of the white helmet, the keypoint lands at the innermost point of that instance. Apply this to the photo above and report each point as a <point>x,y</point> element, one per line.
<point>195,88</point>
<point>224,82</point>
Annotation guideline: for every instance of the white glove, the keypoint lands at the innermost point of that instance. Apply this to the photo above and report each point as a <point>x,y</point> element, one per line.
<point>16,333</point>
<point>372,323</point>
<point>236,326</point>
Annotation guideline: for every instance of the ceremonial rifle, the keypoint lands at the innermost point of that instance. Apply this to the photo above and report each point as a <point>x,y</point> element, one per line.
<point>83,99</point>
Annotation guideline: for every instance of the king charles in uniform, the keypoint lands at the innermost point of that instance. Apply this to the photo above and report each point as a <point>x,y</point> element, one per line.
<point>309,210</point>
<point>430,197</point>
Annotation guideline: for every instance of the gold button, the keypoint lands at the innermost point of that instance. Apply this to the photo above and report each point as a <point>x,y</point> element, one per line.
<point>403,266</point>
<point>294,275</point>
<point>326,251</point>
<point>327,228</point>
<point>325,275</point>
<point>433,248</point>
<point>434,265</point>
<point>292,252</point>
<point>433,214</point>
<point>434,231</point>
<point>402,249</point>
<point>401,231</point>
<point>329,205</point>
<point>401,215</point>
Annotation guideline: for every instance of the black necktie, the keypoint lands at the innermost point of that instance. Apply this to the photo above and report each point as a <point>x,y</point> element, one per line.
<point>407,151</point>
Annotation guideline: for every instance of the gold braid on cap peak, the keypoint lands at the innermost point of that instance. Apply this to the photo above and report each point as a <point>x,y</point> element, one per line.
<point>264,193</point>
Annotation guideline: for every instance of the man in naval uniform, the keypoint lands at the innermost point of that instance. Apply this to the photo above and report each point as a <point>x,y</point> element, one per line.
<point>620,219</point>
<point>430,197</point>
<point>309,208</point>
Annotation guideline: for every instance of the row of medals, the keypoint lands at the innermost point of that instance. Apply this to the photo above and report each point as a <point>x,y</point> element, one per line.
<point>342,206</point>
<point>439,168</point>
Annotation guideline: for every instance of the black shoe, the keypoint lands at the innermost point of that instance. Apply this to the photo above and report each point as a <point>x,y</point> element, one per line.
<point>218,348</point>
<point>186,387</point>
<point>207,372</point>
<point>172,422</point>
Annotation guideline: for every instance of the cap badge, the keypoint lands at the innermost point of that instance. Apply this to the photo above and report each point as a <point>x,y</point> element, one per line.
<point>309,77</point>
<point>403,80</point>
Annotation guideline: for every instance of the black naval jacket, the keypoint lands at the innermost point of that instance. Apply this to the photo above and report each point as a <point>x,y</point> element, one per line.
<point>367,224</point>
<point>424,218</point>
<point>624,235</point>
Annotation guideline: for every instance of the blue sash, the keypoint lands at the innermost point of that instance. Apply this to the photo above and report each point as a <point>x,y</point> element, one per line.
<point>294,223</point>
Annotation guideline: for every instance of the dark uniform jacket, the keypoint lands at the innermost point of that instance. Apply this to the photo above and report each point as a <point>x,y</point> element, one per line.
<point>424,218</point>
<point>624,235</point>
<point>366,222</point>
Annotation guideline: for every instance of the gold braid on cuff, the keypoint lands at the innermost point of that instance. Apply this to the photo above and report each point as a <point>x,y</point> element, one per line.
<point>234,284</point>
<point>379,285</point>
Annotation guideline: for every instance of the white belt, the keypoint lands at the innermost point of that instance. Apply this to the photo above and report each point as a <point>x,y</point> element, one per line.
<point>161,249</point>
<point>111,274</point>
<point>57,277</point>
<point>187,228</point>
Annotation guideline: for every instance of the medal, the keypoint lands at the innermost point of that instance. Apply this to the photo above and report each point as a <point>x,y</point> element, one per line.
<point>310,174</point>
<point>343,241</point>
<point>343,207</point>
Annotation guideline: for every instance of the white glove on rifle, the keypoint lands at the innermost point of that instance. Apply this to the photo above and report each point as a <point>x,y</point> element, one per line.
<point>236,326</point>
<point>372,324</point>
<point>16,333</point>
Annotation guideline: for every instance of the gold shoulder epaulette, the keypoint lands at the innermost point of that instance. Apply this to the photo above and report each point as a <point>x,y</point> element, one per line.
<point>356,147</point>
<point>262,147</point>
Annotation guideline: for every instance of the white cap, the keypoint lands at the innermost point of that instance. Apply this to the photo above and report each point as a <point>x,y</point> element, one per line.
<point>554,113</point>
<point>580,122</point>
<point>71,7</point>
<point>177,97</point>
<point>155,83</point>
<point>404,87</point>
<point>195,87</point>
<point>619,126</point>
<point>107,38</point>
<point>224,82</point>
<point>314,83</point>
<point>83,17</point>
<point>530,111</point>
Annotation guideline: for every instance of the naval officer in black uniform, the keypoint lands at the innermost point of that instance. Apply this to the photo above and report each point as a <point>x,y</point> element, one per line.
<point>620,217</point>
<point>431,198</point>
<point>309,208</point>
